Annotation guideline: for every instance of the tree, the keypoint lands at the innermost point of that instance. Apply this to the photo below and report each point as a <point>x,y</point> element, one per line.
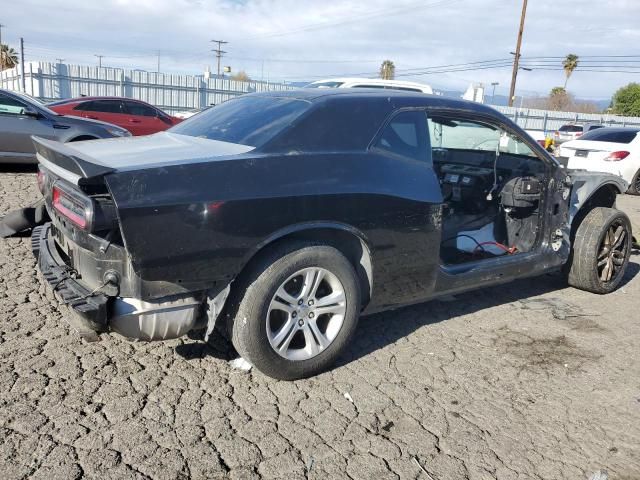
<point>626,101</point>
<point>569,64</point>
<point>8,57</point>
<point>558,99</point>
<point>387,70</point>
<point>241,76</point>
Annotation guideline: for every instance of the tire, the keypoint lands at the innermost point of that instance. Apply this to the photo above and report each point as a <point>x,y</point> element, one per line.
<point>634,187</point>
<point>255,309</point>
<point>590,247</point>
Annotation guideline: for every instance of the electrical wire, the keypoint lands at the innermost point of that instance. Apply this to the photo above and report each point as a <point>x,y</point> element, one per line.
<point>463,235</point>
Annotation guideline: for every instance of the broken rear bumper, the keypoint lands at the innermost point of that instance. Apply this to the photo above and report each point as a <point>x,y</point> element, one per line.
<point>87,309</point>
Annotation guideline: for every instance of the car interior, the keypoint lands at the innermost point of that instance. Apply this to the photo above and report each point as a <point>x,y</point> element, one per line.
<point>491,182</point>
<point>492,186</point>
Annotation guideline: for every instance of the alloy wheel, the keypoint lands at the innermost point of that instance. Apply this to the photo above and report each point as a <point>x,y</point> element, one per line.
<point>612,252</point>
<point>306,314</point>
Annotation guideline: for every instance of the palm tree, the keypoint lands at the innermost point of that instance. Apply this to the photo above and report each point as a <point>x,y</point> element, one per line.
<point>569,64</point>
<point>8,57</point>
<point>387,70</point>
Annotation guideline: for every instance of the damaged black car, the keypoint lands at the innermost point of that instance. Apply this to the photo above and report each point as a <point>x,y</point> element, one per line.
<point>282,217</point>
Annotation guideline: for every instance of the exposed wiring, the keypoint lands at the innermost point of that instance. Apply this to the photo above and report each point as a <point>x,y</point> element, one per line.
<point>462,235</point>
<point>509,250</point>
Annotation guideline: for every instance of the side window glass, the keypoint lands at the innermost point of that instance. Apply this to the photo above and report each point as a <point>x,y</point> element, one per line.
<point>135,108</point>
<point>406,135</point>
<point>84,106</point>
<point>105,106</point>
<point>10,106</point>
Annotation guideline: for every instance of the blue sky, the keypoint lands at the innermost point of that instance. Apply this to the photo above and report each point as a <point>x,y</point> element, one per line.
<point>306,40</point>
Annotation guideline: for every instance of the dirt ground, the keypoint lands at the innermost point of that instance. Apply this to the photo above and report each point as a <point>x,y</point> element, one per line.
<point>533,380</point>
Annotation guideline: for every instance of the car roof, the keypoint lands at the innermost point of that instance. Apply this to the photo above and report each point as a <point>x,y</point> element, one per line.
<point>400,97</point>
<point>86,99</point>
<point>619,129</point>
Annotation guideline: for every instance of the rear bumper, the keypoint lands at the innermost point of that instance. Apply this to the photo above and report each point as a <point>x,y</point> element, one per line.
<point>88,312</point>
<point>91,312</point>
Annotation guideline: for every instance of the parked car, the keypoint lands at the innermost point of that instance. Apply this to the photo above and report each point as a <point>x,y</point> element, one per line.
<point>573,131</point>
<point>371,83</point>
<point>294,212</point>
<point>22,116</point>
<point>613,150</point>
<point>138,117</point>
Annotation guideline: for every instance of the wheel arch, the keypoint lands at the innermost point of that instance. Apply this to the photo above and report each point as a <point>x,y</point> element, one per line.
<point>581,204</point>
<point>350,241</point>
<point>81,138</point>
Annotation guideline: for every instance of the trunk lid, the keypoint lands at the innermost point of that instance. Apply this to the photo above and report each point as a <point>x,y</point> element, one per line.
<point>590,149</point>
<point>83,161</point>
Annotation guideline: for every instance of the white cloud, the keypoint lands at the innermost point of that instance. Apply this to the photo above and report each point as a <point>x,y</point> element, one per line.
<point>357,37</point>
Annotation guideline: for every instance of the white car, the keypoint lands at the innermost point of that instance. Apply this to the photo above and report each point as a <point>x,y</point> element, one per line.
<point>612,150</point>
<point>371,83</point>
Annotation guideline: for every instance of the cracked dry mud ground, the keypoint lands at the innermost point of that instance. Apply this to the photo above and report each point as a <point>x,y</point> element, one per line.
<point>532,380</point>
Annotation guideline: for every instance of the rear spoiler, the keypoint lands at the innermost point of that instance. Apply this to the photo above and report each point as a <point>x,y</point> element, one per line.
<point>66,162</point>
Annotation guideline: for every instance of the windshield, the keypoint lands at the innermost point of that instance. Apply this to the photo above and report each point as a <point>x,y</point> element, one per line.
<point>613,136</point>
<point>248,120</point>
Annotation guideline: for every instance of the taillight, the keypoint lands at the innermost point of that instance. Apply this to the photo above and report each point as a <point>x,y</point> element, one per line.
<point>616,156</point>
<point>578,134</point>
<point>41,178</point>
<point>73,206</point>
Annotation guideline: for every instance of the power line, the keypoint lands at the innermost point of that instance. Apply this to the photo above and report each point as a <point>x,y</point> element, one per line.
<point>356,18</point>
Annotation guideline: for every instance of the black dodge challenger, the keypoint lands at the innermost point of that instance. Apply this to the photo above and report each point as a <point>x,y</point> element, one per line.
<point>285,216</point>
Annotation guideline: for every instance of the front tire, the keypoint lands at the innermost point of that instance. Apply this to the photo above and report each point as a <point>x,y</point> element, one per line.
<point>295,310</point>
<point>601,250</point>
<point>634,187</point>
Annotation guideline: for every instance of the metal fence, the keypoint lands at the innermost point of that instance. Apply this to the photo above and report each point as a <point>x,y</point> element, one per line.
<point>549,120</point>
<point>175,93</point>
<point>170,92</point>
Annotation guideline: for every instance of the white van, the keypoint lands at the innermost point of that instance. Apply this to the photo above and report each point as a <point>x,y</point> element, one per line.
<point>371,83</point>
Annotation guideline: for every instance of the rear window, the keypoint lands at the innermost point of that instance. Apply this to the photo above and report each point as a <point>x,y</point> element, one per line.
<point>571,128</point>
<point>613,136</point>
<point>248,120</point>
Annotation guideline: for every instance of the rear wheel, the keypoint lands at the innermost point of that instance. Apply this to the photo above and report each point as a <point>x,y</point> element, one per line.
<point>601,250</point>
<point>296,309</point>
<point>634,188</point>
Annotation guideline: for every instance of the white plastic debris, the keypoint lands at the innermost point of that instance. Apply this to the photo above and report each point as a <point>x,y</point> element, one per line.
<point>240,364</point>
<point>348,397</point>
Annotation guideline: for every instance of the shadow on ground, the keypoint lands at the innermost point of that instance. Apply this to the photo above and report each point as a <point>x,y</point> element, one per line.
<point>379,330</point>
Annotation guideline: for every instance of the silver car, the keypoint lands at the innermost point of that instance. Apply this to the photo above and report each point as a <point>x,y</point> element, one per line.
<point>22,117</point>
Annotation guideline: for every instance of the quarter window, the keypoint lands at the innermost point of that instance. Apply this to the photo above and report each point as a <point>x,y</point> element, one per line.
<point>406,135</point>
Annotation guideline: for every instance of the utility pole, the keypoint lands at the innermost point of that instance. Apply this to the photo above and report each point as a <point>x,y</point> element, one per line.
<point>1,55</point>
<point>516,58</point>
<point>99,60</point>
<point>218,51</point>
<point>22,79</point>
<point>493,93</point>
<point>60,60</point>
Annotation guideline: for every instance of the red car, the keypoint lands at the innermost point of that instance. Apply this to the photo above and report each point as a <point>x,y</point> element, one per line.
<point>138,117</point>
